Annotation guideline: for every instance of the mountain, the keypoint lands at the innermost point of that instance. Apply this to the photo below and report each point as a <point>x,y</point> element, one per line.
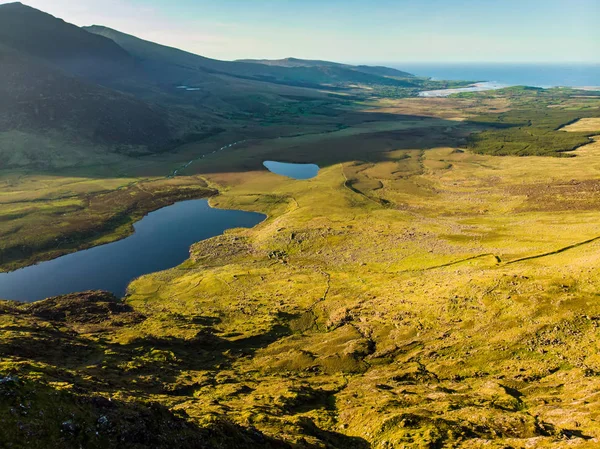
<point>178,66</point>
<point>43,109</point>
<point>72,94</point>
<point>56,107</point>
<point>295,62</point>
<point>71,97</point>
<point>61,44</point>
<point>165,65</point>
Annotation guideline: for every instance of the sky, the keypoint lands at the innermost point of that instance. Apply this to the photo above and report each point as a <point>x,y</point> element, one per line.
<point>365,31</point>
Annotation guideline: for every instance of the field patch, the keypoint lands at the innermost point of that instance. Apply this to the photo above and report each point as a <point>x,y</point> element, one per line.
<point>584,125</point>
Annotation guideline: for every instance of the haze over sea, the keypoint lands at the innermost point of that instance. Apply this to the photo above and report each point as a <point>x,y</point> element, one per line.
<point>540,75</point>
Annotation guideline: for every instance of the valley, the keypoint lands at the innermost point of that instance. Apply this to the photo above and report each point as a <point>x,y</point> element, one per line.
<point>302,330</point>
<point>382,269</point>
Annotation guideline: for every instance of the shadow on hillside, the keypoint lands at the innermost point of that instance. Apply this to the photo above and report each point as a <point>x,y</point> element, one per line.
<point>151,363</point>
<point>49,417</point>
<point>376,137</point>
<point>379,133</point>
<point>321,139</point>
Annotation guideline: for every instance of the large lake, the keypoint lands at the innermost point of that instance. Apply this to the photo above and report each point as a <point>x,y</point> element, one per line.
<point>295,171</point>
<point>161,240</point>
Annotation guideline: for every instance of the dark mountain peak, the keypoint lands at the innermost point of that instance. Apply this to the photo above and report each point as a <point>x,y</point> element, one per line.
<point>14,5</point>
<point>62,44</point>
<point>135,45</point>
<point>97,28</point>
<point>26,11</point>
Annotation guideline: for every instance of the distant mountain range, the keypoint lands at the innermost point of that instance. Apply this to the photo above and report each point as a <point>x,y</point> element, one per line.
<point>98,87</point>
<point>315,74</point>
<point>378,71</point>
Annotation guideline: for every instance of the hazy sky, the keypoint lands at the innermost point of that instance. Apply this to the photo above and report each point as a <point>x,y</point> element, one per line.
<point>354,30</point>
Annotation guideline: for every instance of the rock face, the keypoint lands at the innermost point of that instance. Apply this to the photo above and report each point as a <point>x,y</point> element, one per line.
<point>66,331</point>
<point>37,417</point>
<point>82,308</point>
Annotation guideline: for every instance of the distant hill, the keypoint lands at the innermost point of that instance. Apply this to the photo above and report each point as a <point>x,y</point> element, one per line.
<point>163,64</point>
<point>170,62</point>
<point>63,45</point>
<point>295,62</point>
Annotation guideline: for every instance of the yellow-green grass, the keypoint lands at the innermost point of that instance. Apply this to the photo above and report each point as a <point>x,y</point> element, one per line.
<point>42,217</point>
<point>419,321</point>
<point>85,204</point>
<point>413,295</point>
<point>584,125</point>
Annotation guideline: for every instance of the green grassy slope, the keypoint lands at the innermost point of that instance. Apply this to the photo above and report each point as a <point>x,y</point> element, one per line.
<point>41,416</point>
<point>414,294</point>
<point>56,110</point>
<point>534,128</point>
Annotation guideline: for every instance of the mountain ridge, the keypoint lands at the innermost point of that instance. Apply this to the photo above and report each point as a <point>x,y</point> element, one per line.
<point>314,76</point>
<point>297,62</point>
<point>102,88</point>
<point>62,44</point>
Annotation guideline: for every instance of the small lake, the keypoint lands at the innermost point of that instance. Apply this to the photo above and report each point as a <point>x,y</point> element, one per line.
<point>187,88</point>
<point>478,87</point>
<point>161,240</point>
<point>295,171</point>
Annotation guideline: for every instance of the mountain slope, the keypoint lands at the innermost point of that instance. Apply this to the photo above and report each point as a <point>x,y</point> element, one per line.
<point>64,45</point>
<point>295,62</point>
<point>71,95</point>
<point>39,100</point>
<point>56,109</point>
<point>169,63</point>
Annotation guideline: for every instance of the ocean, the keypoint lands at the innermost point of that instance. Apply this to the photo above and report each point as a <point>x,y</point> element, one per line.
<point>538,75</point>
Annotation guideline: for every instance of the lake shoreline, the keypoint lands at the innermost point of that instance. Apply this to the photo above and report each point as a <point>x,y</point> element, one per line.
<point>151,247</point>
<point>117,228</point>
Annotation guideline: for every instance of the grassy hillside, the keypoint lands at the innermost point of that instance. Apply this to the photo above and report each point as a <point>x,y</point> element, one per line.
<point>58,416</point>
<point>535,127</point>
<point>56,109</point>
<point>45,104</point>
<point>414,294</point>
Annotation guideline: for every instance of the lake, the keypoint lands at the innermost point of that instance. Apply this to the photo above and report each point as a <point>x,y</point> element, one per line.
<point>295,171</point>
<point>161,240</point>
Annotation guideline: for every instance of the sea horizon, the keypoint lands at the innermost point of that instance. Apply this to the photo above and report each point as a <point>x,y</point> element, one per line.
<point>570,74</point>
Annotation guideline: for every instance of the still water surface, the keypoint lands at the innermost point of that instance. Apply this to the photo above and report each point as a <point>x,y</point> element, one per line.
<point>295,171</point>
<point>161,240</point>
